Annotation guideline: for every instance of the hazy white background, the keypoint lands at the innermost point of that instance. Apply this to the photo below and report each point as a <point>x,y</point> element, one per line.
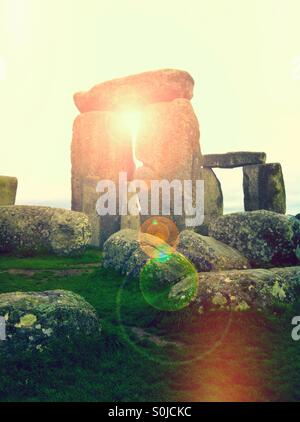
<point>244,56</point>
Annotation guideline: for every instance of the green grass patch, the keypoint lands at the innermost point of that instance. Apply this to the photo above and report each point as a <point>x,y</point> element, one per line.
<point>91,256</point>
<point>150,355</point>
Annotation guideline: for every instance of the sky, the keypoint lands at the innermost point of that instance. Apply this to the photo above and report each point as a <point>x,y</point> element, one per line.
<point>243,55</point>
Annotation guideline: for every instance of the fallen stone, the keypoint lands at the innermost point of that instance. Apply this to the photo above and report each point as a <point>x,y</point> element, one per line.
<point>234,159</point>
<point>170,283</point>
<point>32,230</point>
<point>127,251</point>
<point>264,188</point>
<point>242,290</point>
<point>48,322</point>
<point>133,91</point>
<point>8,190</point>
<point>296,230</point>
<point>208,254</point>
<point>264,237</point>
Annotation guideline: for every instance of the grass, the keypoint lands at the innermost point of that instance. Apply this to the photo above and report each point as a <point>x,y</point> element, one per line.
<point>149,355</point>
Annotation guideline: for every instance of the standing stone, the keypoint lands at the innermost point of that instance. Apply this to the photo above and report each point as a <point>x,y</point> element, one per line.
<point>101,149</point>
<point>136,90</point>
<point>168,140</point>
<point>213,198</point>
<point>101,226</point>
<point>168,146</point>
<point>89,199</point>
<point>8,190</point>
<point>129,221</point>
<point>264,188</point>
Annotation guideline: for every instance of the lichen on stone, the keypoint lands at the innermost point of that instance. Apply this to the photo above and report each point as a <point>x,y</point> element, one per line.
<point>26,321</point>
<point>219,299</point>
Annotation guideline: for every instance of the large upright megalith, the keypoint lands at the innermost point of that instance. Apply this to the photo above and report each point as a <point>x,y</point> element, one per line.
<point>168,146</point>
<point>8,190</point>
<point>100,150</point>
<point>213,197</point>
<point>264,188</point>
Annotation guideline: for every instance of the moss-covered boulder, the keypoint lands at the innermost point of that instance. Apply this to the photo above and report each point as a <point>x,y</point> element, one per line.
<point>128,250</point>
<point>8,190</point>
<point>209,254</point>
<point>46,322</point>
<point>240,290</point>
<point>32,230</point>
<point>169,282</point>
<point>264,237</point>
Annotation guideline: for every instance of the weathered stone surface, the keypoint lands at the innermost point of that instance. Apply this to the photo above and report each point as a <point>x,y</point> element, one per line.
<point>168,141</point>
<point>264,237</point>
<point>101,226</point>
<point>213,197</point>
<point>169,284</point>
<point>32,230</point>
<point>296,230</point>
<point>208,254</point>
<point>264,188</point>
<point>234,159</point>
<point>168,146</point>
<point>131,221</point>
<point>240,290</point>
<point>101,148</point>
<point>47,321</point>
<point>127,251</point>
<point>89,200</point>
<point>8,190</point>
<point>136,90</point>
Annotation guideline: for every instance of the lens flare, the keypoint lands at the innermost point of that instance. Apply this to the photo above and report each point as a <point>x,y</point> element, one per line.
<point>163,228</point>
<point>169,284</point>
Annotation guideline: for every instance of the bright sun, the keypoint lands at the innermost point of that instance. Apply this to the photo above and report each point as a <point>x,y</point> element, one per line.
<point>131,120</point>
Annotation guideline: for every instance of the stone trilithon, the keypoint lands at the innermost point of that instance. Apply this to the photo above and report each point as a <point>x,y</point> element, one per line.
<point>167,142</point>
